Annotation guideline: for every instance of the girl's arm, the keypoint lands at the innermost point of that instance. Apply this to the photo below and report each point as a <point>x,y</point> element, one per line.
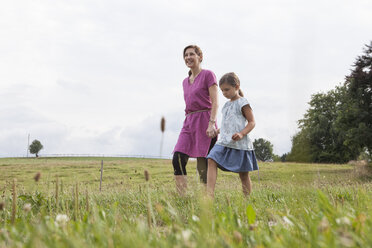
<point>213,94</point>
<point>248,114</point>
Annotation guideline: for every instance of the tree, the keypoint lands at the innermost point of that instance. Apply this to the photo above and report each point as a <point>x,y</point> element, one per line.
<point>338,125</point>
<point>324,138</point>
<point>283,158</point>
<point>322,135</point>
<point>276,158</point>
<point>35,147</point>
<point>300,151</point>
<point>263,149</point>
<point>356,117</point>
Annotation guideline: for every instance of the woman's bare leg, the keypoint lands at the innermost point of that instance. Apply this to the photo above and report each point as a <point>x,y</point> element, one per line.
<point>246,183</point>
<point>211,177</point>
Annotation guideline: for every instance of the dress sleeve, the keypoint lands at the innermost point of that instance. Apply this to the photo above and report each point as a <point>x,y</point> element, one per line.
<point>242,103</point>
<point>211,79</point>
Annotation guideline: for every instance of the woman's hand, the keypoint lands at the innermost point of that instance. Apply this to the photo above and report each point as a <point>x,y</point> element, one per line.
<point>211,131</point>
<point>237,136</point>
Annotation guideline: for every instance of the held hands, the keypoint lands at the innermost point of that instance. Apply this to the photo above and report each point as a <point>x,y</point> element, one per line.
<point>237,136</point>
<point>211,131</point>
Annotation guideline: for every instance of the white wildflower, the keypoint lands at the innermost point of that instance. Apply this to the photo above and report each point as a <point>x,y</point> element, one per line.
<point>195,218</point>
<point>141,225</point>
<point>61,219</point>
<point>343,221</point>
<point>186,234</point>
<point>27,207</point>
<point>271,223</point>
<point>287,221</point>
<point>239,223</point>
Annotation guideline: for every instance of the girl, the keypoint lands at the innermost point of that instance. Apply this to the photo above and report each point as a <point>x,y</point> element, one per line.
<point>234,149</point>
<point>199,131</point>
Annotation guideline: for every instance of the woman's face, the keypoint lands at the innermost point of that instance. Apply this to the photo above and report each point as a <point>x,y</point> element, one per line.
<point>192,60</point>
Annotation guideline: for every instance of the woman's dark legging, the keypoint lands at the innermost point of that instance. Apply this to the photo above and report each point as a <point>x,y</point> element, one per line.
<point>180,159</point>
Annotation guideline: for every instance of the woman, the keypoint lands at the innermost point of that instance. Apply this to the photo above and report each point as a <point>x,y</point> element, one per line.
<point>199,130</point>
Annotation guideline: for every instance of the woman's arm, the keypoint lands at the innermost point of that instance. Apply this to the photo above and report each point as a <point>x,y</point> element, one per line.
<point>248,114</point>
<point>213,94</point>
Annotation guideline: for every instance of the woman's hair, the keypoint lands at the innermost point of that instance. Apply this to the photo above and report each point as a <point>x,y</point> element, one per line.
<point>198,51</point>
<point>232,79</point>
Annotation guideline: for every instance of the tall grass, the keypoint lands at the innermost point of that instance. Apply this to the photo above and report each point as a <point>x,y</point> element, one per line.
<point>293,205</point>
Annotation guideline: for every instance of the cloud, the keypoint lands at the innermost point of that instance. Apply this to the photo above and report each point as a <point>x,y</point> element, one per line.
<point>20,121</point>
<point>74,87</point>
<point>145,138</point>
<point>96,77</point>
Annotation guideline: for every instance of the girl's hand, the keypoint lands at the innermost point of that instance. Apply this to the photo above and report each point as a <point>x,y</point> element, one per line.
<point>211,131</point>
<point>237,136</point>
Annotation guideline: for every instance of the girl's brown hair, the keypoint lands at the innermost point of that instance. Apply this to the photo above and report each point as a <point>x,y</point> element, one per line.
<point>197,50</point>
<point>232,79</point>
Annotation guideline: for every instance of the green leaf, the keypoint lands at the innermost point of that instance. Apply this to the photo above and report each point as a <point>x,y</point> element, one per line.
<point>251,215</point>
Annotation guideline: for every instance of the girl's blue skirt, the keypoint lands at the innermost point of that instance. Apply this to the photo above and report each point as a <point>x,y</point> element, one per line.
<point>230,159</point>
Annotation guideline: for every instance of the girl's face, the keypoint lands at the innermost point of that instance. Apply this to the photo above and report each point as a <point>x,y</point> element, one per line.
<point>191,58</point>
<point>229,91</point>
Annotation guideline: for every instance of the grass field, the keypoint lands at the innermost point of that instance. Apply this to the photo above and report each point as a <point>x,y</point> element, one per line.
<point>292,205</point>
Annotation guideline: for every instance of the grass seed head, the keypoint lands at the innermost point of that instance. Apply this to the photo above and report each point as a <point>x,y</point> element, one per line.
<point>162,124</point>
<point>361,218</point>
<point>147,176</point>
<point>323,225</point>
<point>37,177</point>
<point>237,237</point>
<point>14,201</point>
<point>252,227</point>
<point>159,208</point>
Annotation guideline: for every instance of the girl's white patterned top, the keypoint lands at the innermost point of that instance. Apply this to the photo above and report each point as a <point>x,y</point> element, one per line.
<point>233,121</point>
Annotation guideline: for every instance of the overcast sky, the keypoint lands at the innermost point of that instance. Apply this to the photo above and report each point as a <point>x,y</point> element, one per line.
<point>95,77</point>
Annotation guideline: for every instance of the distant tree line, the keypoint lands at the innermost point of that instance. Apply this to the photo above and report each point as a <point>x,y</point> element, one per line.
<point>338,125</point>
<point>264,151</point>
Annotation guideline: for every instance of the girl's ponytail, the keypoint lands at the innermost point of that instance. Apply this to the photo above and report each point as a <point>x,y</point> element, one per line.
<point>241,93</point>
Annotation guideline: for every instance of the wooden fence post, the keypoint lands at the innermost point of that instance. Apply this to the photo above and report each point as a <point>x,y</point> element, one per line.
<point>100,183</point>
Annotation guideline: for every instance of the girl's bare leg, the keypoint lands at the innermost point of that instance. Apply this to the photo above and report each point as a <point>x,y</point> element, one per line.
<point>211,177</point>
<point>246,183</point>
<point>181,184</point>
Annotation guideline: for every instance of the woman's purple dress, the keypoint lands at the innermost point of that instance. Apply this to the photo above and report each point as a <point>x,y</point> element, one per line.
<point>193,139</point>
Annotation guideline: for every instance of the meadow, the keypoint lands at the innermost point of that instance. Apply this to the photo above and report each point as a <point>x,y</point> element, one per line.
<point>58,203</point>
